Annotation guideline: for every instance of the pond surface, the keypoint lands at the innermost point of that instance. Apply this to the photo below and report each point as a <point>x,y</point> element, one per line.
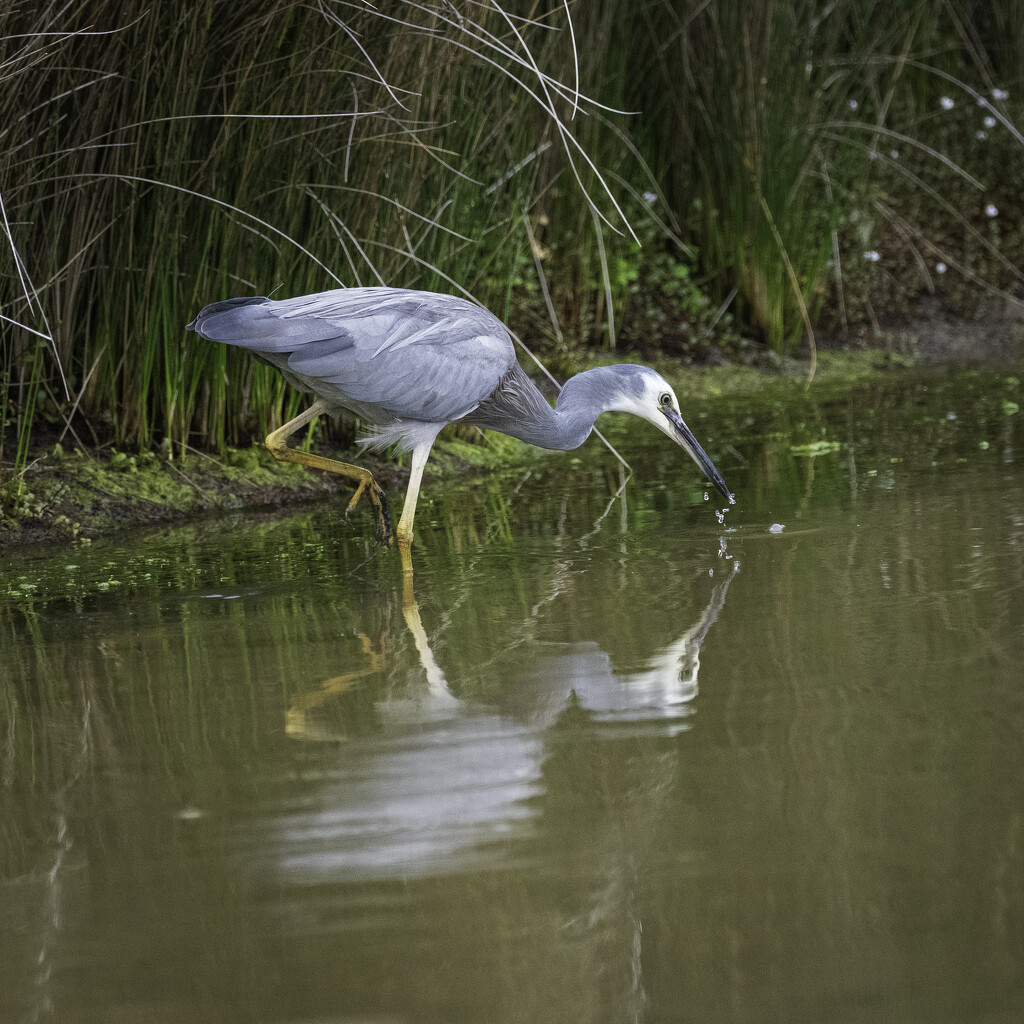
<point>607,759</point>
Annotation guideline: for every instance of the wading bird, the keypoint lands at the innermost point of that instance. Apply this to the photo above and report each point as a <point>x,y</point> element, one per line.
<point>410,363</point>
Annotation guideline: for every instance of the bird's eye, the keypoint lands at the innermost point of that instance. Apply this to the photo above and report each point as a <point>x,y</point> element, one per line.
<point>665,401</point>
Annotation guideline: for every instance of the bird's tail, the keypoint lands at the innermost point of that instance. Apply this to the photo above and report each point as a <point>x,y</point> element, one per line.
<point>260,325</point>
<point>221,307</point>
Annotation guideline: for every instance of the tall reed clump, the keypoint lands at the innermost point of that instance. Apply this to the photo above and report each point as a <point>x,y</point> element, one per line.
<point>754,85</point>
<point>155,159</point>
<point>777,121</point>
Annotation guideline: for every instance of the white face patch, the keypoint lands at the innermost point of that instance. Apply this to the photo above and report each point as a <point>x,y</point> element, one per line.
<point>659,394</point>
<point>654,407</point>
<point>648,406</point>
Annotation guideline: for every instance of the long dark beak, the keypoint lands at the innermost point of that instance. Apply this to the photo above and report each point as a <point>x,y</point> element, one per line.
<point>684,437</point>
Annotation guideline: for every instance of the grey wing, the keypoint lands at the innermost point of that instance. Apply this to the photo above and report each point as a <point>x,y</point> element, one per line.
<point>415,355</point>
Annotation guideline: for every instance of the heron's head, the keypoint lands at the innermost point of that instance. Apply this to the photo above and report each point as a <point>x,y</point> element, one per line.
<point>645,393</point>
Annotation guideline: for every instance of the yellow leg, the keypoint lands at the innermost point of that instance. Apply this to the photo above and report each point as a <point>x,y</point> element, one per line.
<point>364,478</point>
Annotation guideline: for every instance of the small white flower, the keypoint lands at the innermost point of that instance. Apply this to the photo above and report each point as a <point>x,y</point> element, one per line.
<point>989,122</point>
<point>946,103</point>
<point>894,153</point>
<point>940,268</point>
<point>854,104</point>
<point>991,210</point>
<point>1000,94</point>
<point>981,136</point>
<point>872,256</point>
<point>808,69</point>
<point>649,198</point>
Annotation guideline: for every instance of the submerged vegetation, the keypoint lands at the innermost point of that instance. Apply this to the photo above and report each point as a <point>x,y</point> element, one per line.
<point>668,177</point>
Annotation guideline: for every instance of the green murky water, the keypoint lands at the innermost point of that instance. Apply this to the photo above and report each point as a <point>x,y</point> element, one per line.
<point>610,760</point>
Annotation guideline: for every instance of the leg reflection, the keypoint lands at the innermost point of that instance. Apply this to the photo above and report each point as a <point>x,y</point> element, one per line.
<point>296,723</point>
<point>436,682</point>
<point>299,723</point>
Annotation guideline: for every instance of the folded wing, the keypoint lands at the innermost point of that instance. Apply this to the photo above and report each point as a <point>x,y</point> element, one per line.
<point>414,355</point>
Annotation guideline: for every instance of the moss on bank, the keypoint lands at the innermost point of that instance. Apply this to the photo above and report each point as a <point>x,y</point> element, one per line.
<point>71,497</point>
<point>75,496</point>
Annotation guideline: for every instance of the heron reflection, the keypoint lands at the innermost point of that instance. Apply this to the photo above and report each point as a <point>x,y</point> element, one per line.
<point>443,779</point>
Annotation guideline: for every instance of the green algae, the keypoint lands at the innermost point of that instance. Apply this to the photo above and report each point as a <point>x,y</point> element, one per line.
<point>78,495</point>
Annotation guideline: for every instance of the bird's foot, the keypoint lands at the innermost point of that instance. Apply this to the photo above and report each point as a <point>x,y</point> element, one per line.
<point>383,531</point>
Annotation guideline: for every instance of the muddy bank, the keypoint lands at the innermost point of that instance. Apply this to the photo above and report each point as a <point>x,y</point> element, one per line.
<point>928,332</point>
<point>71,497</point>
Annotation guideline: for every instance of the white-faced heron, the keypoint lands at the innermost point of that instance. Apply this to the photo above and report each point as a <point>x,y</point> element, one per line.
<point>410,363</point>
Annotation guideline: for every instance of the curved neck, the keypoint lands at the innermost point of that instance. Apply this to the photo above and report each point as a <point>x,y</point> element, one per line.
<point>559,431</point>
<point>518,409</point>
<point>569,424</point>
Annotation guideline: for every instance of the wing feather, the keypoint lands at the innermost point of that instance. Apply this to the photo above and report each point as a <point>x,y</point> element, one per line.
<point>412,355</point>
